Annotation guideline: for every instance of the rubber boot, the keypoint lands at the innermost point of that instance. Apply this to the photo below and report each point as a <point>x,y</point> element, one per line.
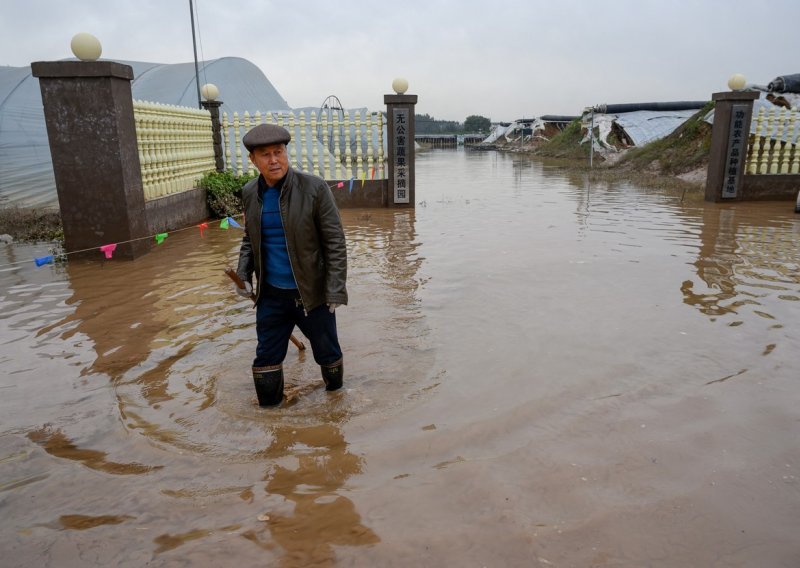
<point>332,375</point>
<point>269,384</point>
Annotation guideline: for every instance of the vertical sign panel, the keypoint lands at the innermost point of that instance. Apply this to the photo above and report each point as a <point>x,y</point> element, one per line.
<point>400,183</point>
<point>737,148</point>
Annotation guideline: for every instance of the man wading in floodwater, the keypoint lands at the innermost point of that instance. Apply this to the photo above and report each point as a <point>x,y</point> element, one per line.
<point>294,242</point>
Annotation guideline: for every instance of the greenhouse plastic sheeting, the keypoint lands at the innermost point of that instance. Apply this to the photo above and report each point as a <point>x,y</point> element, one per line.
<point>644,126</point>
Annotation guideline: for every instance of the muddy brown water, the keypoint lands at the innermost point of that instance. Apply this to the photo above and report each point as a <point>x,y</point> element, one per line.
<point>540,371</point>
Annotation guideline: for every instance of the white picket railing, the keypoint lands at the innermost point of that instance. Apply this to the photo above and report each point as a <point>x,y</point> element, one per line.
<point>333,147</point>
<point>774,148</point>
<point>175,147</point>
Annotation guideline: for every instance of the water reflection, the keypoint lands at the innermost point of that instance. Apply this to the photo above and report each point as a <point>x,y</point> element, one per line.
<point>156,304</point>
<point>85,522</point>
<point>744,259</point>
<point>167,542</point>
<point>114,307</point>
<point>57,444</point>
<point>317,516</point>
<point>384,329</point>
<point>384,242</point>
<point>745,256</point>
<point>715,261</point>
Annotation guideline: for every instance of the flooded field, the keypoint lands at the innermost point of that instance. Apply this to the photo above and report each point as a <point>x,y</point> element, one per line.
<point>539,371</point>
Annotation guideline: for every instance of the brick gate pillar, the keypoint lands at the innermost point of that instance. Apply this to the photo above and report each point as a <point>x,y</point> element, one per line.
<point>729,138</point>
<point>88,110</point>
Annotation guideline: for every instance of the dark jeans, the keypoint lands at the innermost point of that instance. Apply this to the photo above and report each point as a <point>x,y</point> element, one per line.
<point>275,319</point>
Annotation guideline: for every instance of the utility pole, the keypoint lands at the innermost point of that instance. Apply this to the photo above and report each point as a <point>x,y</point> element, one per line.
<point>194,45</point>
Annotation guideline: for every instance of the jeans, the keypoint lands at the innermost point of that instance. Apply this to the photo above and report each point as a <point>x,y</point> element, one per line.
<point>275,320</point>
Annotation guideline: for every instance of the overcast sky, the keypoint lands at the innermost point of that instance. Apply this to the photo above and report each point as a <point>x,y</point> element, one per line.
<point>501,59</point>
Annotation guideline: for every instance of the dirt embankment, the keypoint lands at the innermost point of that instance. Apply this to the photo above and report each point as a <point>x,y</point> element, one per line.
<point>683,155</point>
<point>30,224</point>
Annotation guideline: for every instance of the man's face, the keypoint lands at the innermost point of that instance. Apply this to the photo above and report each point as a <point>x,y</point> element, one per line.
<point>271,161</point>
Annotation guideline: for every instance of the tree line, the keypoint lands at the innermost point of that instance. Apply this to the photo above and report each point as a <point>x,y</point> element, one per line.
<point>426,124</point>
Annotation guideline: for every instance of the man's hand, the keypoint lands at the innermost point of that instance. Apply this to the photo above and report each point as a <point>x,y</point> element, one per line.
<point>244,292</point>
<point>332,307</point>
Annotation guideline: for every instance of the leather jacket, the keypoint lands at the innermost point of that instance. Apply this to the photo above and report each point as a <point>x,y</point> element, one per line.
<point>314,238</point>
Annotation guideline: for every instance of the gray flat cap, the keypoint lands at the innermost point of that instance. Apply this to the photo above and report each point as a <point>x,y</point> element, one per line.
<point>265,135</point>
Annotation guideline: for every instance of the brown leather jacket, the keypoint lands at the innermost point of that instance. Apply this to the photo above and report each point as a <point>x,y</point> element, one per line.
<point>314,238</point>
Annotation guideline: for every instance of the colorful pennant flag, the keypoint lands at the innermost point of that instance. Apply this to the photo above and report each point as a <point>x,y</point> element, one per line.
<point>108,249</point>
<point>373,174</point>
<point>340,185</point>
<point>42,260</point>
<point>351,184</point>
<point>363,179</point>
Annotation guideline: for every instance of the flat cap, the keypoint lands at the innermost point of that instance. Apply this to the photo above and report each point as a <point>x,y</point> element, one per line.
<point>265,135</point>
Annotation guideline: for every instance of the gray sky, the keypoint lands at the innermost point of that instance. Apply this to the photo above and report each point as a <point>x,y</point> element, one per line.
<point>501,59</point>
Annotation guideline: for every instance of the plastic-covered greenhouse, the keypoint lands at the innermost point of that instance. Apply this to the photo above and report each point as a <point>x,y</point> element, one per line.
<point>26,170</point>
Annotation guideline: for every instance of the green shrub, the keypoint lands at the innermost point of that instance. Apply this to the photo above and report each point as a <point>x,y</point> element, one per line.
<point>224,192</point>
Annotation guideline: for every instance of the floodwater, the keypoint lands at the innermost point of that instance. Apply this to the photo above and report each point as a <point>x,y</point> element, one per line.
<point>540,371</point>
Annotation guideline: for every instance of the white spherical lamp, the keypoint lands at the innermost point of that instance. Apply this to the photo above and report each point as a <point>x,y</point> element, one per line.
<point>737,82</point>
<point>400,85</point>
<point>86,47</point>
<point>209,91</point>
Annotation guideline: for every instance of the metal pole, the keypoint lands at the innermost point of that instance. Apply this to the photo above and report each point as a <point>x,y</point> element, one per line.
<point>194,45</point>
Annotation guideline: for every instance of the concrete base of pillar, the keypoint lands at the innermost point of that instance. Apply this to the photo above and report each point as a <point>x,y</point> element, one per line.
<point>176,211</point>
<point>374,193</point>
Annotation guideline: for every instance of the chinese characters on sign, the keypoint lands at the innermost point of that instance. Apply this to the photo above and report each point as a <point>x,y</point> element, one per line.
<point>401,148</point>
<point>737,149</point>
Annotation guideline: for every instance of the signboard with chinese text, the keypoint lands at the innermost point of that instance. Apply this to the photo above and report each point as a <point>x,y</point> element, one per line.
<point>400,133</point>
<point>737,151</point>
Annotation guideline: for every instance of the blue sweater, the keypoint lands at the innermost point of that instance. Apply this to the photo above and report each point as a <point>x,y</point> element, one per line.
<point>273,242</point>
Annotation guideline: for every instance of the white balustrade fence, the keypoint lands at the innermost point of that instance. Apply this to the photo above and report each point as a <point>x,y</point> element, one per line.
<point>175,147</point>
<point>334,147</point>
<point>774,147</point>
